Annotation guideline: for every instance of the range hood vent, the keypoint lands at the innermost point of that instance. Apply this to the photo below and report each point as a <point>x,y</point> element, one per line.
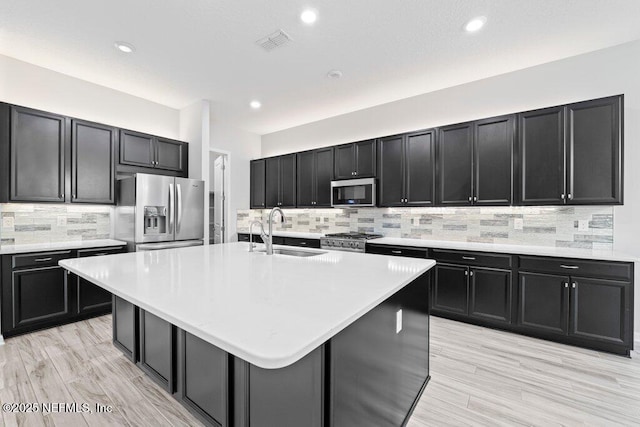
<point>274,40</point>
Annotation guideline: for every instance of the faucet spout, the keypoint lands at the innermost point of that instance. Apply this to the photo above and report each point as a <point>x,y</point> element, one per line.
<point>251,244</point>
<point>269,238</point>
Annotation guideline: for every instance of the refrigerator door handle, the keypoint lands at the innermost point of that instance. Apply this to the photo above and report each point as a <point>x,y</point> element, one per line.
<point>179,209</point>
<point>171,196</point>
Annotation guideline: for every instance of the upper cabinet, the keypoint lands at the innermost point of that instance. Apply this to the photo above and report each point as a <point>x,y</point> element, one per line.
<point>280,189</point>
<point>407,169</point>
<point>475,162</point>
<point>356,160</point>
<point>93,152</point>
<point>37,147</point>
<point>257,172</point>
<point>47,157</point>
<point>142,150</point>
<point>314,172</point>
<point>571,154</point>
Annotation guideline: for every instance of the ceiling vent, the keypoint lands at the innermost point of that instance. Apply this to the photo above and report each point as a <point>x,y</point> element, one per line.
<point>274,40</point>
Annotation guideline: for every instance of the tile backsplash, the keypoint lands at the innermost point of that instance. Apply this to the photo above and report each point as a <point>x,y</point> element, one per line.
<point>23,223</point>
<point>588,227</point>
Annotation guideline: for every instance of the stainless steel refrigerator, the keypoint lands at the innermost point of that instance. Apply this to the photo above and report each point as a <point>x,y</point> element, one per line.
<point>159,212</point>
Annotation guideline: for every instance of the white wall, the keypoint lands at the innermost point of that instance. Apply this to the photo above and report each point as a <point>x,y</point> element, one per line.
<point>36,87</point>
<point>241,146</point>
<point>601,73</point>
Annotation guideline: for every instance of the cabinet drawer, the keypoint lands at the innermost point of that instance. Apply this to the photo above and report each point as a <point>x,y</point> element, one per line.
<point>306,243</point>
<point>405,251</point>
<point>473,258</point>
<point>101,251</point>
<point>578,267</point>
<point>41,259</point>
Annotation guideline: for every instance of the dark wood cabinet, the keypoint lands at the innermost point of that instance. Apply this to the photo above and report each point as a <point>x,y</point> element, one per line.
<point>258,181</point>
<point>594,152</point>
<point>490,294</point>
<point>148,151</point>
<point>451,289</point>
<point>493,149</point>
<point>571,154</point>
<point>89,297</point>
<point>93,163</point>
<point>280,181</point>
<point>314,175</point>
<point>37,147</point>
<point>407,169</point>
<point>35,292</point>
<point>157,343</point>
<point>455,150</point>
<point>125,328</point>
<point>544,302</point>
<point>355,160</point>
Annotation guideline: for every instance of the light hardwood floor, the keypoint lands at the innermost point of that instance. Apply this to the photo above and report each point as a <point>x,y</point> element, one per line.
<point>479,377</point>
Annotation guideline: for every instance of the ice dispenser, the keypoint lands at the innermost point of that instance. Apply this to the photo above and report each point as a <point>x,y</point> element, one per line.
<point>155,220</point>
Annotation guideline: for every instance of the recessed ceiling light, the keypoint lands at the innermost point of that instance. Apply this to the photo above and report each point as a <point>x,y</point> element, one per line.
<point>124,47</point>
<point>334,74</point>
<point>475,24</point>
<point>309,16</point>
<point>255,104</point>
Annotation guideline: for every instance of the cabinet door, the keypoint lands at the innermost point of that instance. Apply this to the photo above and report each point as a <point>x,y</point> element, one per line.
<point>125,327</point>
<point>37,156</point>
<point>541,157</point>
<point>93,149</point>
<point>40,295</point>
<point>420,168</point>
<point>92,298</point>
<point>493,161</point>
<point>157,340</point>
<point>454,165</point>
<point>272,180</point>
<point>601,310</point>
<point>344,163</point>
<point>594,152</point>
<point>490,294</point>
<point>450,290</point>
<point>323,175</point>
<point>257,184</point>
<point>306,178</point>
<point>544,302</point>
<point>288,181</point>
<point>391,179</point>
<point>366,159</point>
<point>136,149</point>
<point>170,154</point>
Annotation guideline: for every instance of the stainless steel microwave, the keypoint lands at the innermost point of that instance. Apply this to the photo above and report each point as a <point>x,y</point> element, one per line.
<point>352,193</point>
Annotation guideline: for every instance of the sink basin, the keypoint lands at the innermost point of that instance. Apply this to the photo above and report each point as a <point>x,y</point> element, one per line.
<point>292,252</point>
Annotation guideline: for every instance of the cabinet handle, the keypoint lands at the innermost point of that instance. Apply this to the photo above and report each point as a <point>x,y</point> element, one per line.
<point>569,267</point>
<point>73,196</point>
<point>62,196</point>
<point>573,285</point>
<point>570,196</point>
<point>396,252</point>
<point>562,196</point>
<point>466,272</point>
<point>566,285</point>
<point>475,199</point>
<point>470,198</point>
<point>42,259</point>
<point>101,254</point>
<point>303,243</point>
<point>471,273</point>
<point>470,258</point>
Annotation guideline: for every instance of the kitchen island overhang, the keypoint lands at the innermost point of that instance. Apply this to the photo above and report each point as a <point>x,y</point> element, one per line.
<point>300,324</point>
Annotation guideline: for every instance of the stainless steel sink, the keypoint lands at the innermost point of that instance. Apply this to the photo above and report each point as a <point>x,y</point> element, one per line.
<point>292,252</point>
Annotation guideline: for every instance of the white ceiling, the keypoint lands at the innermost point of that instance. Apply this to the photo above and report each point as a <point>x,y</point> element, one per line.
<point>387,49</point>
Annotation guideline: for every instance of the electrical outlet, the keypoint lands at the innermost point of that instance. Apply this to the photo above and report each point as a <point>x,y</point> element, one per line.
<point>518,224</point>
<point>8,222</point>
<point>583,225</point>
<point>398,321</point>
<point>416,221</point>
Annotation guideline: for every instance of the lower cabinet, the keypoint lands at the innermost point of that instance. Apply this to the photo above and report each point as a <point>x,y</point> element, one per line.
<point>279,240</point>
<point>157,343</point>
<point>125,327</point>
<point>92,298</point>
<point>451,289</point>
<point>490,295</point>
<point>544,301</point>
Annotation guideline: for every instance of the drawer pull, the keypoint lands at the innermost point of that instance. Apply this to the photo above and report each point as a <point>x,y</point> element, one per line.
<point>42,259</point>
<point>303,243</point>
<point>470,258</point>
<point>101,254</point>
<point>569,267</point>
<point>396,252</point>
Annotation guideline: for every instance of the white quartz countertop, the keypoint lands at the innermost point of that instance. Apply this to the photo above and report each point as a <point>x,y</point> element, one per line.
<point>268,310</point>
<point>298,234</point>
<point>510,249</point>
<point>58,246</point>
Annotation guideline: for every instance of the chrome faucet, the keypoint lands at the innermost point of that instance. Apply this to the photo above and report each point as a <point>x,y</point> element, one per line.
<point>251,244</point>
<point>268,239</point>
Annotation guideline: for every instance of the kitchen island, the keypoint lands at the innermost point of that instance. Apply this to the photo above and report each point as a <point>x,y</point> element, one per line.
<point>243,338</point>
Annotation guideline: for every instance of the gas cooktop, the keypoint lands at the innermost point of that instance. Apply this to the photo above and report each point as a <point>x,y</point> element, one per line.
<point>353,235</point>
<point>354,242</point>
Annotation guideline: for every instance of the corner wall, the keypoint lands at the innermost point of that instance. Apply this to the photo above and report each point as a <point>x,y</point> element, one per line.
<point>596,74</point>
